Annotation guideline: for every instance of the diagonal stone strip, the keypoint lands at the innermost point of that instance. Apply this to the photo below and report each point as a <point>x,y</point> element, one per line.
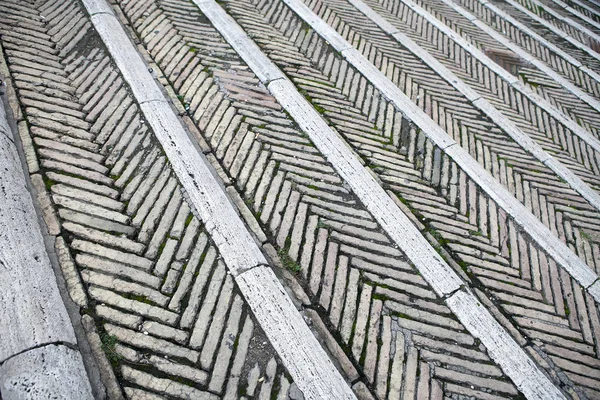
<point>522,27</point>
<point>438,99</point>
<point>503,349</point>
<point>238,247</point>
<point>434,268</point>
<point>573,11</point>
<point>576,12</point>
<point>540,233</point>
<point>510,79</point>
<point>308,364</point>
<point>369,294</point>
<point>566,20</point>
<point>486,107</point>
<point>552,28</point>
<point>592,101</point>
<point>400,155</point>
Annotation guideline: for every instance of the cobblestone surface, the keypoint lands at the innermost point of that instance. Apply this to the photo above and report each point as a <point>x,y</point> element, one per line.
<point>144,271</point>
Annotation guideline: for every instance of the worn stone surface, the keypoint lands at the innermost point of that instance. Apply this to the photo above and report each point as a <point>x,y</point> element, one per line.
<point>28,289</point>
<point>47,372</point>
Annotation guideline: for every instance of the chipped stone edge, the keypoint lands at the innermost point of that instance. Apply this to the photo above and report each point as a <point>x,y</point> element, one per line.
<point>504,349</point>
<point>594,291</point>
<point>306,361</point>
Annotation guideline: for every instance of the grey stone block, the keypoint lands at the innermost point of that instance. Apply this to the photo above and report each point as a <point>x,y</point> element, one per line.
<point>29,297</point>
<point>49,372</point>
<point>31,310</point>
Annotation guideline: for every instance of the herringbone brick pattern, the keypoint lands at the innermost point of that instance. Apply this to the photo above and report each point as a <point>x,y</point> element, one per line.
<point>549,11</point>
<point>347,265</point>
<point>137,259</point>
<point>433,94</point>
<point>529,117</point>
<point>565,67</point>
<point>170,316</point>
<point>450,209</point>
<point>590,10</point>
<point>490,249</point>
<point>501,157</point>
<point>549,21</point>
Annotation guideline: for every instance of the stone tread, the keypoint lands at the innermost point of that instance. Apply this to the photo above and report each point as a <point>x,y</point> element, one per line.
<point>172,322</point>
<point>485,219</point>
<point>306,79</point>
<point>136,258</point>
<point>552,51</point>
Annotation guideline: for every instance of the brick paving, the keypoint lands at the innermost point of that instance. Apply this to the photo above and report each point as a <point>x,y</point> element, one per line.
<point>138,261</point>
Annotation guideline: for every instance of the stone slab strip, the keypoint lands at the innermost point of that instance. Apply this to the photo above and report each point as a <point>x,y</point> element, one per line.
<point>36,335</point>
<point>308,364</point>
<point>502,347</point>
<point>508,77</point>
<point>485,106</point>
<point>544,238</point>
